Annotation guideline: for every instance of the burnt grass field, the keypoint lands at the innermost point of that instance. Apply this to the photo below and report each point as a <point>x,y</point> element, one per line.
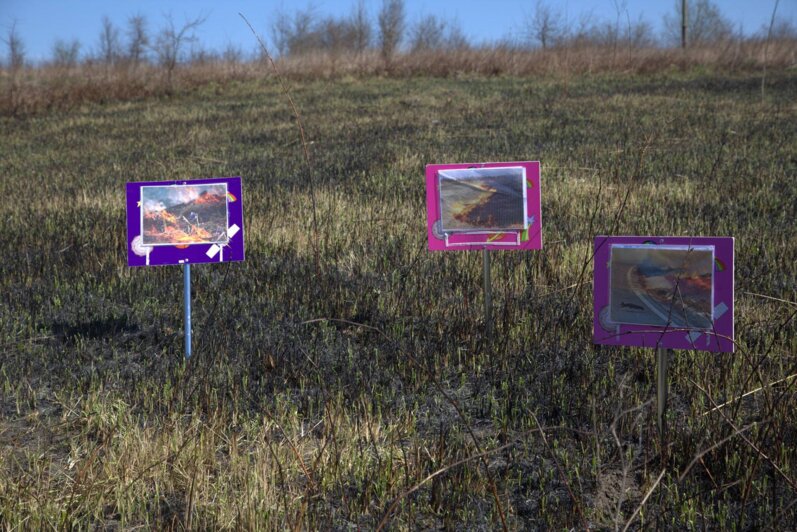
<point>341,377</point>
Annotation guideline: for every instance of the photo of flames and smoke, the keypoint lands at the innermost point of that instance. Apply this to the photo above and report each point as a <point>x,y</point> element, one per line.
<point>184,214</point>
<point>663,286</point>
<point>482,199</point>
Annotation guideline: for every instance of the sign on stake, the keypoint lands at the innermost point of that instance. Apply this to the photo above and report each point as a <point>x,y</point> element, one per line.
<point>484,206</point>
<point>664,293</point>
<point>185,223</point>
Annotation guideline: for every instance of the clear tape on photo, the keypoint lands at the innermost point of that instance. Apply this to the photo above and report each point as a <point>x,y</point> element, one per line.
<point>216,249</point>
<point>514,243</point>
<point>461,178</point>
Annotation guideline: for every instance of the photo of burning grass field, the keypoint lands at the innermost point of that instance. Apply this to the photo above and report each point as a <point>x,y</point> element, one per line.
<point>187,214</point>
<point>341,377</point>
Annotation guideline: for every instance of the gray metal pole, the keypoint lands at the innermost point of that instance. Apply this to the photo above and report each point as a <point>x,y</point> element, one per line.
<point>187,308</point>
<point>683,23</point>
<point>488,295</point>
<point>662,359</point>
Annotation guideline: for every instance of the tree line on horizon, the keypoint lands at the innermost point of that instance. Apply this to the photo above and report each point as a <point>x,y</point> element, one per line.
<point>390,32</point>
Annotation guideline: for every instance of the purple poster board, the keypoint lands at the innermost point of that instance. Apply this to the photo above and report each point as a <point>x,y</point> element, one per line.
<point>184,222</point>
<point>483,206</point>
<point>671,292</point>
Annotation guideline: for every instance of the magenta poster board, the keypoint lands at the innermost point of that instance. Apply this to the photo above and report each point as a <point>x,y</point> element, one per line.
<point>483,206</point>
<point>671,292</point>
<point>179,222</point>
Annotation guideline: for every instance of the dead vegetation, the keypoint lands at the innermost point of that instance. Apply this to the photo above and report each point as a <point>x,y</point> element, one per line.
<point>341,377</point>
<point>25,90</point>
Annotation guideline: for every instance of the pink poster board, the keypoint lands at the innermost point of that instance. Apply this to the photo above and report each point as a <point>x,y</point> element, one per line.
<point>483,206</point>
<point>671,292</point>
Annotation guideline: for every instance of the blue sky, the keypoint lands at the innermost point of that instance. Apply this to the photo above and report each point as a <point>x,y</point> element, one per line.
<point>41,22</point>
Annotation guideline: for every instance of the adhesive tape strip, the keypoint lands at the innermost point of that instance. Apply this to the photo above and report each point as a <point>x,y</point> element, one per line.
<point>693,336</point>
<point>213,251</point>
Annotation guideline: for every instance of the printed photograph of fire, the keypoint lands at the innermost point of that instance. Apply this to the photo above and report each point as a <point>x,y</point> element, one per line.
<point>184,214</point>
<point>482,199</point>
<point>666,286</point>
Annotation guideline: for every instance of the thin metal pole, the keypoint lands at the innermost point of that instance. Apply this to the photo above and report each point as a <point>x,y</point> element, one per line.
<point>488,294</point>
<point>683,23</point>
<point>662,358</point>
<point>187,307</point>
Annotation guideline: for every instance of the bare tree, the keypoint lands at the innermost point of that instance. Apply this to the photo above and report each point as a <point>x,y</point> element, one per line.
<point>301,33</point>
<point>281,32</point>
<point>582,33</point>
<point>640,34</point>
<point>456,38</point>
<point>16,49</point>
<point>304,38</point>
<point>109,42</point>
<point>392,23</point>
<point>545,25</point>
<point>198,55</point>
<point>706,24</point>
<point>16,60</point>
<point>65,54</point>
<point>361,26</point>
<point>428,33</point>
<point>232,54</point>
<point>171,40</point>
<point>588,32</point>
<point>338,35</point>
<point>305,32</point>
<point>137,38</point>
<point>433,33</point>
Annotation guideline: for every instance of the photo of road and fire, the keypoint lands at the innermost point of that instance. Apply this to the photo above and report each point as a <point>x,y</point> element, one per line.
<point>665,286</point>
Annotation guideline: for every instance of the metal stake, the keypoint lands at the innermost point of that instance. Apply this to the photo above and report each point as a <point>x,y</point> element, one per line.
<point>187,308</point>
<point>662,357</point>
<point>488,295</point>
<point>683,23</point>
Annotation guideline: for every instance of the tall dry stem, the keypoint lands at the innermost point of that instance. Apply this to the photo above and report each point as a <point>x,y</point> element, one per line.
<point>305,147</point>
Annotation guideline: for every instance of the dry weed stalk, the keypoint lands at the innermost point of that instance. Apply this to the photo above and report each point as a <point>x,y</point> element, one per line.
<point>305,148</point>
